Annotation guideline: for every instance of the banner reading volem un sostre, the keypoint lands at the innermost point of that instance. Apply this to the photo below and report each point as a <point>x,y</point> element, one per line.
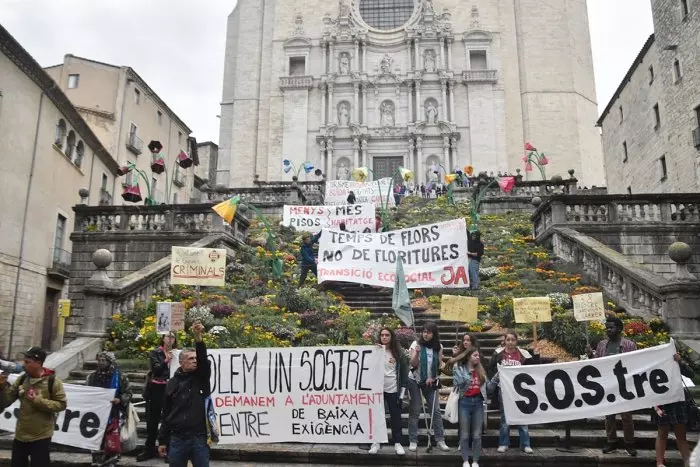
<point>433,256</point>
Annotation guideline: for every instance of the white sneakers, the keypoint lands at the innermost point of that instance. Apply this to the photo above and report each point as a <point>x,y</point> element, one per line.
<point>474,465</point>
<point>375,448</point>
<point>466,464</point>
<point>527,450</point>
<point>413,446</point>
<point>399,449</point>
<point>502,449</point>
<point>442,446</point>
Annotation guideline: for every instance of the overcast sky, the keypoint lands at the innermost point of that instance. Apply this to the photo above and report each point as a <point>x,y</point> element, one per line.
<point>177,46</point>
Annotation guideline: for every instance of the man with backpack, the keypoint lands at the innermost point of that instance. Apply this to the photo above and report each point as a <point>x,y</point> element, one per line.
<point>41,397</point>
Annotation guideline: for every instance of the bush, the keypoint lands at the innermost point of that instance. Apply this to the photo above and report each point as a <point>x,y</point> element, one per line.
<point>567,332</point>
<point>222,311</point>
<point>201,314</point>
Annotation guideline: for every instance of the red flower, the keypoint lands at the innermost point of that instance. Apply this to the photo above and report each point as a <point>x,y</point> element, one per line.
<point>528,167</point>
<point>529,147</point>
<point>525,158</point>
<point>123,170</point>
<point>544,160</point>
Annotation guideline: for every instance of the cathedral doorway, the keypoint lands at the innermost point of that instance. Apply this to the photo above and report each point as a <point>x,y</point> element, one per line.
<point>385,166</point>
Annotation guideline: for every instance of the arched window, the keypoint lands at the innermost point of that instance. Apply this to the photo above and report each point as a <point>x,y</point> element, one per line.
<point>386,14</point>
<point>60,133</point>
<point>79,153</point>
<point>70,144</point>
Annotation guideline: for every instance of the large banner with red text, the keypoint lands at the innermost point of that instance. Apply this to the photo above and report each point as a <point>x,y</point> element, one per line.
<point>433,256</point>
<point>328,395</point>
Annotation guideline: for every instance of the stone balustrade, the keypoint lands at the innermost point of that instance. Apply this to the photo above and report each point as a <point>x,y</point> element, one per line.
<point>296,82</point>
<point>636,288</point>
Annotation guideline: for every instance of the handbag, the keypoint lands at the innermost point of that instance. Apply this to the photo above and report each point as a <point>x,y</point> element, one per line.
<point>212,425</point>
<point>693,411</point>
<point>452,407</point>
<point>112,441</point>
<point>127,432</point>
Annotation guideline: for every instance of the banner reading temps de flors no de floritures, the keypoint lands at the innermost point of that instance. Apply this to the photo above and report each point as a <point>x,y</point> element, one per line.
<point>433,256</point>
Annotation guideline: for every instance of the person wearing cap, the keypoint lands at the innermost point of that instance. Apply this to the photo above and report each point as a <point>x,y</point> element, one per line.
<point>41,397</point>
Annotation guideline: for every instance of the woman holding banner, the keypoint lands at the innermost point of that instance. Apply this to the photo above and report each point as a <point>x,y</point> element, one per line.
<point>470,382</point>
<point>424,380</point>
<point>512,355</point>
<point>675,414</point>
<point>395,381</point>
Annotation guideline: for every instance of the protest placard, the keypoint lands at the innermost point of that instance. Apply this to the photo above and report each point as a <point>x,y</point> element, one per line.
<point>433,256</point>
<point>170,316</point>
<point>82,424</point>
<point>456,308</point>
<point>591,388</point>
<point>532,310</point>
<point>330,395</point>
<point>356,217</point>
<point>198,266</point>
<point>589,307</point>
<point>376,192</point>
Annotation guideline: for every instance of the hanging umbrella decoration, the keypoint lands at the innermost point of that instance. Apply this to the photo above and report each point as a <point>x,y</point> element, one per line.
<point>227,210</point>
<point>534,157</point>
<point>306,166</point>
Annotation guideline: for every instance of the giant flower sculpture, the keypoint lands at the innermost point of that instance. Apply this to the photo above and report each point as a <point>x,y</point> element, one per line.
<point>360,174</point>
<point>406,175</point>
<point>532,158</point>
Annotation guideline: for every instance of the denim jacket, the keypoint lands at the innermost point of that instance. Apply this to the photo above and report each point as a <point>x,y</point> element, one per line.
<point>462,379</point>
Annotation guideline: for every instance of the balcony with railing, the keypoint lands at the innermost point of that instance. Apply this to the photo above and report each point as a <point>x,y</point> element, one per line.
<point>296,82</point>
<point>134,144</point>
<point>60,264</point>
<point>480,76</point>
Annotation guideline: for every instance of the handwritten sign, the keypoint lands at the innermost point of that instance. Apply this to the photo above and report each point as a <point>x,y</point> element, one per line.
<point>356,217</point>
<point>455,308</point>
<point>198,266</point>
<point>532,310</point>
<point>170,316</point>
<point>332,395</point>
<point>589,307</point>
<point>377,192</point>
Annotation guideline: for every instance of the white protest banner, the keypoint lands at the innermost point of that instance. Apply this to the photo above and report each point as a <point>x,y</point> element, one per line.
<point>602,386</point>
<point>331,395</point>
<point>357,217</point>
<point>337,192</point>
<point>434,256</point>
<point>198,266</point>
<point>82,424</point>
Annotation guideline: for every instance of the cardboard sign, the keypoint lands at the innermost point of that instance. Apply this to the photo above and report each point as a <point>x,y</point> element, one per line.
<point>456,308</point>
<point>589,307</point>
<point>198,266</point>
<point>170,316</point>
<point>532,310</point>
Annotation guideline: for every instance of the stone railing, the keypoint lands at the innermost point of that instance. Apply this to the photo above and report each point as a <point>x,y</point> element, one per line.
<point>634,287</point>
<point>586,210</point>
<point>296,82</point>
<point>480,76</point>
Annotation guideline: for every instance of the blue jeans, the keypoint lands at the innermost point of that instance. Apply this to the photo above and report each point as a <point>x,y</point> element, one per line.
<point>474,274</point>
<point>504,430</point>
<point>471,421</point>
<point>191,448</point>
<point>414,393</point>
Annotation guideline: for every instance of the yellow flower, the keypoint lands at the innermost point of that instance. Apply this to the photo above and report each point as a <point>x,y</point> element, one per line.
<point>450,178</point>
<point>406,174</point>
<point>360,174</point>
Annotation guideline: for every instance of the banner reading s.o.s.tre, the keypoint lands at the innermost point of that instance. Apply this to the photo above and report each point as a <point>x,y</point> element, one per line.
<point>325,395</point>
<point>356,217</point>
<point>588,388</point>
<point>433,256</point>
<point>376,192</point>
<point>82,424</point>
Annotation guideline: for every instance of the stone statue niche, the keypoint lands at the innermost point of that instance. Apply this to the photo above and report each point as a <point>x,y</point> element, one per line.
<point>344,63</point>
<point>343,172</point>
<point>387,113</point>
<point>429,61</point>
<point>386,64</point>
<point>431,111</point>
<point>343,114</point>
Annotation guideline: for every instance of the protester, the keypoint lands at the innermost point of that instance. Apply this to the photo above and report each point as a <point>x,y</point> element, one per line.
<point>512,355</point>
<point>308,257</point>
<point>154,390</point>
<point>397,194</point>
<point>342,227</point>
<point>41,397</point>
<point>470,381</point>
<point>426,355</point>
<point>109,376</point>
<point>616,344</point>
<point>475,253</point>
<point>467,342</point>
<point>351,198</point>
<point>184,431</point>
<point>395,380</point>
<point>675,414</point>
<point>422,190</point>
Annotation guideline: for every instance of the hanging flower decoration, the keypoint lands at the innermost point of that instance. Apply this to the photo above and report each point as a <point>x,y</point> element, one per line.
<point>318,172</point>
<point>450,178</point>
<point>406,175</point>
<point>536,158</point>
<point>507,184</point>
<point>227,209</point>
<point>360,174</point>
<point>184,160</point>
<point>308,167</point>
<point>158,164</point>
<point>469,170</point>
<point>121,171</point>
<point>132,193</point>
<point>286,165</point>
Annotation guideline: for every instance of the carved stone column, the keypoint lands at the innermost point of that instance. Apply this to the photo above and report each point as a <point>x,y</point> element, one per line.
<point>452,84</point>
<point>364,56</point>
<point>324,105</point>
<point>355,113</point>
<point>455,154</point>
<point>364,104</point>
<point>446,152</point>
<point>356,153</point>
<point>322,154</point>
<point>331,105</point>
<point>419,103</point>
<point>355,66</point>
<point>449,53</point>
<point>324,53</point>
<point>442,54</point>
<point>411,149</point>
<point>443,86</point>
<point>409,87</point>
<point>364,162</point>
<point>332,55</point>
<point>329,172</point>
<point>416,55</point>
<point>420,162</point>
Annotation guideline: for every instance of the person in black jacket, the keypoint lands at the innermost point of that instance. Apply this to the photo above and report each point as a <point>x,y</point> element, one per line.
<point>475,253</point>
<point>183,433</point>
<point>154,391</point>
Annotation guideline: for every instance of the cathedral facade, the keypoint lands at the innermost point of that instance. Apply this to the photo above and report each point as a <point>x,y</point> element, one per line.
<point>430,85</point>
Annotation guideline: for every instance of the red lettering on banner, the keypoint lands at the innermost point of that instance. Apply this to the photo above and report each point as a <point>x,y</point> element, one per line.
<point>341,399</point>
<point>244,401</point>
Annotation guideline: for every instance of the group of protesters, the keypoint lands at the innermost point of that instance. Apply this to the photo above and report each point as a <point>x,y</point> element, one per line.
<point>176,407</point>
<point>476,381</point>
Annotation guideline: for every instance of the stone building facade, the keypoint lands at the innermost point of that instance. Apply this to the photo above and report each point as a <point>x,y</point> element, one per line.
<point>49,155</point>
<point>413,83</point>
<point>651,127</point>
<point>126,114</point>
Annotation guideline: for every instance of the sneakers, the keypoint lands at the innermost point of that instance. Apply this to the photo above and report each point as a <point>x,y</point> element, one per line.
<point>502,449</point>
<point>609,447</point>
<point>631,451</point>
<point>474,465</point>
<point>375,448</point>
<point>413,446</point>
<point>466,464</point>
<point>399,449</point>
<point>527,450</point>
<point>442,446</point>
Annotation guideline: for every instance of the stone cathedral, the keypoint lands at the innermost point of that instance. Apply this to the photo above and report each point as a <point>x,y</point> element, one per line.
<point>423,84</point>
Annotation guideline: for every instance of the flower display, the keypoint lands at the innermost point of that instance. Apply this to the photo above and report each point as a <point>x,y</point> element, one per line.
<point>450,178</point>
<point>227,209</point>
<point>507,184</point>
<point>286,166</point>
<point>469,170</point>
<point>360,174</point>
<point>406,175</point>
